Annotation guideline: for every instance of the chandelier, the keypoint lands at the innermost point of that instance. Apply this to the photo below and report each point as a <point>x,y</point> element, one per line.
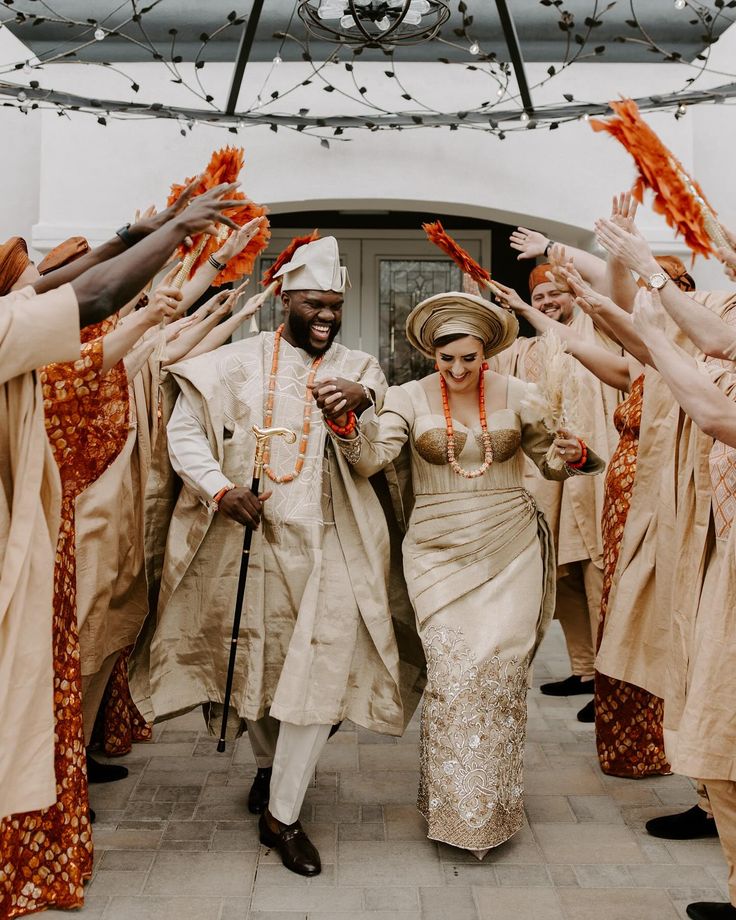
<point>374,23</point>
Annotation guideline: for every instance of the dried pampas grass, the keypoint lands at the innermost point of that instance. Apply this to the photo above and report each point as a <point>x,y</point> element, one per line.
<point>555,401</point>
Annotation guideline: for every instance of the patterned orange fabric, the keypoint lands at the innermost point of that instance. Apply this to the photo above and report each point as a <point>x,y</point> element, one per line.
<point>122,724</point>
<point>628,720</point>
<point>47,855</point>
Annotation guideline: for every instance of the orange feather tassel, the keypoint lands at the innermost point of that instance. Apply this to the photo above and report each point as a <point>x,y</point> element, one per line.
<point>437,234</point>
<point>676,195</point>
<point>225,166</point>
<point>284,257</point>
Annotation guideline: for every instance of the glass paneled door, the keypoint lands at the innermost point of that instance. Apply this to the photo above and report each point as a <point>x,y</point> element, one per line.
<point>397,275</point>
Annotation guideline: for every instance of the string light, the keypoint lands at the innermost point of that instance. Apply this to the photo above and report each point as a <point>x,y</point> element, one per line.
<point>277,60</point>
<point>524,116</point>
<point>474,48</point>
<point>680,4</point>
<point>99,34</point>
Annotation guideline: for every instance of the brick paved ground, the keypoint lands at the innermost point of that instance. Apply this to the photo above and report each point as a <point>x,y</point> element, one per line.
<point>175,841</point>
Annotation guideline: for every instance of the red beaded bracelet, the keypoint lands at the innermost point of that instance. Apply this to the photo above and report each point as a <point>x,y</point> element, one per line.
<point>343,430</point>
<point>579,464</point>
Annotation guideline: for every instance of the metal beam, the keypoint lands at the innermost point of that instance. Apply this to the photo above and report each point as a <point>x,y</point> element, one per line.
<point>246,43</point>
<point>512,43</point>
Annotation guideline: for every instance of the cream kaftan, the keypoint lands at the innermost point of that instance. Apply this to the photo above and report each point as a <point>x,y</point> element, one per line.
<point>479,566</point>
<point>317,640</point>
<point>34,331</point>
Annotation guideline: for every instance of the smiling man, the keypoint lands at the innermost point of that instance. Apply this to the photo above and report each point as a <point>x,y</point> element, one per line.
<point>317,640</point>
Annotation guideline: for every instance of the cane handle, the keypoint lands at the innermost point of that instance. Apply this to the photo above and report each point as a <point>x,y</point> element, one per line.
<point>263,436</point>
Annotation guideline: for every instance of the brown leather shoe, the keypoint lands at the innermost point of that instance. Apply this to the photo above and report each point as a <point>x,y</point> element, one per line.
<point>297,851</point>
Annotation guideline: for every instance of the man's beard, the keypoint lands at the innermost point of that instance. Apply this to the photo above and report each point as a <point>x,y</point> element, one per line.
<point>300,332</point>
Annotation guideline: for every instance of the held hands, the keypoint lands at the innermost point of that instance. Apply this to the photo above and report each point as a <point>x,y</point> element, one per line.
<point>528,243</point>
<point>243,506</point>
<point>650,319</point>
<point>336,397</point>
<point>238,240</point>
<point>568,446</point>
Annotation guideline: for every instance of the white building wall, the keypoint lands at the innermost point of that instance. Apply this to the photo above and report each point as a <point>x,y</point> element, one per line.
<point>71,175</point>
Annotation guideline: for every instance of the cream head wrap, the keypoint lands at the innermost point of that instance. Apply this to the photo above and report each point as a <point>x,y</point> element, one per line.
<point>460,314</point>
<point>315,267</point>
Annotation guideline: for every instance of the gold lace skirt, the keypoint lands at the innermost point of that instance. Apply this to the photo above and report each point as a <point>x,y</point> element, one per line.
<point>473,728</point>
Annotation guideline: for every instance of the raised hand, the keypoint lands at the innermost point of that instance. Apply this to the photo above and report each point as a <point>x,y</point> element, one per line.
<point>650,319</point>
<point>238,240</point>
<point>623,211</point>
<point>528,243</point>
<point>509,299</point>
<point>205,211</point>
<point>164,301</point>
<point>628,247</point>
<point>470,285</point>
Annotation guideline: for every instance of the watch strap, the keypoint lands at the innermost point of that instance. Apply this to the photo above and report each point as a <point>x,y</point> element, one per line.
<point>125,235</point>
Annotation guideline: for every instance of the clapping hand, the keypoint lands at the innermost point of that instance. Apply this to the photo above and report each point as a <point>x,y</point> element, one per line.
<point>650,319</point>
<point>528,243</point>
<point>628,246</point>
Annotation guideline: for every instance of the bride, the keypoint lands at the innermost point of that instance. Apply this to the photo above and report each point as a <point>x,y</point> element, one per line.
<point>478,557</point>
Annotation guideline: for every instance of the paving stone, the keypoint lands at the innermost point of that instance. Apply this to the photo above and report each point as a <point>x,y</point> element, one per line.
<point>542,809</point>
<point>574,780</point>
<point>371,864</point>
<point>270,875</point>
<point>583,844</point>
<point>201,874</point>
<point>523,876</point>
<point>148,811</point>
<point>391,898</point>
<point>177,793</point>
<point>371,813</point>
<point>518,903</point>
<point>109,882</point>
<point>379,787</point>
<point>126,839</point>
<point>140,860</point>
<point>595,809</point>
<point>339,814</point>
<point>441,903</point>
<point>404,822</point>
<point>364,915</point>
<point>308,898</point>
<point>373,757</point>
<point>163,908</point>
<point>361,832</point>
<point>602,876</point>
<point>616,904</point>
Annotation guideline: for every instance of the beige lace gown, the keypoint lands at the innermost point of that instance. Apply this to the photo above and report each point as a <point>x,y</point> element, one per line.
<point>479,566</point>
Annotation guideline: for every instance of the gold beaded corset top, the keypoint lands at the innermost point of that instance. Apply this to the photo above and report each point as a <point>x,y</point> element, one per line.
<point>430,441</point>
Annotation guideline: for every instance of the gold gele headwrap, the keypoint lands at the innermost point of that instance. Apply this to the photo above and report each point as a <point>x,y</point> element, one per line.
<point>455,313</point>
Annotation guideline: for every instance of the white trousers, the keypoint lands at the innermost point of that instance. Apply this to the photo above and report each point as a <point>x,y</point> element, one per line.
<point>293,752</point>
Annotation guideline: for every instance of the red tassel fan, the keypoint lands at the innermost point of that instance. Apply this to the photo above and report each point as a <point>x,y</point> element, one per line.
<point>225,166</point>
<point>676,195</point>
<point>285,257</point>
<point>437,234</point>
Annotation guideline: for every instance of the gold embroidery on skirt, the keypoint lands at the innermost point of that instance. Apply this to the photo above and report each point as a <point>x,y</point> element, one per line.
<point>472,743</point>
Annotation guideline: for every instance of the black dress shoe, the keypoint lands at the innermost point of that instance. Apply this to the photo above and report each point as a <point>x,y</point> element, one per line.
<point>587,713</point>
<point>687,825</point>
<point>104,772</point>
<point>260,792</point>
<point>711,910</point>
<point>570,686</point>
<point>297,851</point>
<point>92,816</point>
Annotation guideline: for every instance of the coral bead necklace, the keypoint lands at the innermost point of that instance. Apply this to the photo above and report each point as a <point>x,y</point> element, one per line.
<point>485,435</point>
<point>268,413</point>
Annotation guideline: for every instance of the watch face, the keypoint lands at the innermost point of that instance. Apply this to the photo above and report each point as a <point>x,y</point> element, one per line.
<point>658,280</point>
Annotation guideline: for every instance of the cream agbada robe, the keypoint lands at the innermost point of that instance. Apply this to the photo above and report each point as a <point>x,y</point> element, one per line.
<point>112,591</point>
<point>34,331</point>
<point>670,506</point>
<point>317,640</point>
<point>573,508</point>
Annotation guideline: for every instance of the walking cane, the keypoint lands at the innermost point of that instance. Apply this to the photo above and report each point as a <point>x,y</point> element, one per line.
<point>262,437</point>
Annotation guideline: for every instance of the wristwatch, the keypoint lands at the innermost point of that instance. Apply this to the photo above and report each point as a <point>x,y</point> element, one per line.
<point>125,235</point>
<point>657,281</point>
